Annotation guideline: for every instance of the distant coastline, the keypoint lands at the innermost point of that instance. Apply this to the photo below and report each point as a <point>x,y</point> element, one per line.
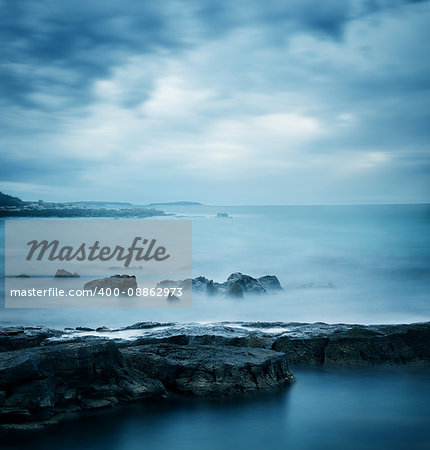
<point>15,207</point>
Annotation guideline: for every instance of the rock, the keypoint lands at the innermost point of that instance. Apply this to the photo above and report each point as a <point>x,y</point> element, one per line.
<point>172,298</point>
<point>212,288</point>
<point>121,282</point>
<point>312,344</point>
<point>23,275</point>
<point>270,283</point>
<point>302,352</point>
<point>146,325</point>
<point>48,381</point>
<point>179,339</point>
<point>61,273</point>
<point>357,345</point>
<point>235,289</point>
<point>50,372</point>
<point>43,383</point>
<point>16,338</point>
<point>237,285</point>
<point>84,329</point>
<point>200,284</point>
<point>211,370</point>
<point>237,282</point>
<point>183,284</point>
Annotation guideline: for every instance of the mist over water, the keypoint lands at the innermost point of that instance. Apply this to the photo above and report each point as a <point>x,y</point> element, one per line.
<point>366,264</point>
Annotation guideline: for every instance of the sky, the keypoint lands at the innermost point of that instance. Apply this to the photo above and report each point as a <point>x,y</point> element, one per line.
<point>222,102</point>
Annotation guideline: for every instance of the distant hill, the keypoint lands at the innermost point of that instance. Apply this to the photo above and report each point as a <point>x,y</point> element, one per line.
<point>8,200</point>
<point>176,204</point>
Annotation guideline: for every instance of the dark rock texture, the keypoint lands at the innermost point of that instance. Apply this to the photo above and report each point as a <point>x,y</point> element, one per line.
<point>361,346</point>
<point>211,370</point>
<point>121,282</point>
<point>61,273</point>
<point>236,285</point>
<point>313,344</point>
<point>270,283</point>
<point>49,378</point>
<point>46,373</point>
<point>42,382</point>
<point>16,338</point>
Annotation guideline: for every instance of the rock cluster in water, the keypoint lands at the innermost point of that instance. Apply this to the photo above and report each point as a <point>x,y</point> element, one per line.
<point>121,282</point>
<point>236,285</point>
<point>62,273</point>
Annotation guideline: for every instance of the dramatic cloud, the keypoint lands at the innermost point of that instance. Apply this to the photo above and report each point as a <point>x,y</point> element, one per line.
<point>221,102</point>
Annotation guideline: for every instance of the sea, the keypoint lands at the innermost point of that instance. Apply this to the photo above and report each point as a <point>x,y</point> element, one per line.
<point>352,264</point>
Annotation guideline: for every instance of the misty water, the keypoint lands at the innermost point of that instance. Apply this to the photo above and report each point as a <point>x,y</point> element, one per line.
<point>362,264</point>
<point>354,264</point>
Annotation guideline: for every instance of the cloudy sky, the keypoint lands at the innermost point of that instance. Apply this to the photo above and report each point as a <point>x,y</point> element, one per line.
<point>223,102</point>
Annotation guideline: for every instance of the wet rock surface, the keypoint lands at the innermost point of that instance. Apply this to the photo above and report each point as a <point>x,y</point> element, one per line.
<point>49,381</point>
<point>16,338</point>
<point>59,373</point>
<point>211,370</point>
<point>46,373</point>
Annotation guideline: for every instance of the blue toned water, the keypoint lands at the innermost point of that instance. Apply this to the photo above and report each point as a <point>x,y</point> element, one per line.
<point>366,264</point>
<point>375,409</point>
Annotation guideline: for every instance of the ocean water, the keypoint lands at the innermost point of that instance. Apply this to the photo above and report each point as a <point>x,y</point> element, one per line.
<point>370,409</point>
<point>362,264</point>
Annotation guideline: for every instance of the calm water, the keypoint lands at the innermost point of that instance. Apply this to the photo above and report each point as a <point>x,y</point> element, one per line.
<point>337,264</point>
<point>367,264</point>
<point>376,409</point>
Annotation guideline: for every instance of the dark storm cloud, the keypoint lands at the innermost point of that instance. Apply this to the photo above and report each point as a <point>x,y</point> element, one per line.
<point>79,38</point>
<point>85,39</point>
<point>93,92</point>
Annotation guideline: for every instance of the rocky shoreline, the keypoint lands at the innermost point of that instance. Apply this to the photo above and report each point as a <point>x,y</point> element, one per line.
<point>46,374</point>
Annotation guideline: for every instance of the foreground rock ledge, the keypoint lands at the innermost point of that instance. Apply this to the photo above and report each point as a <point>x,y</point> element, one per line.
<point>42,384</point>
<point>46,374</point>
